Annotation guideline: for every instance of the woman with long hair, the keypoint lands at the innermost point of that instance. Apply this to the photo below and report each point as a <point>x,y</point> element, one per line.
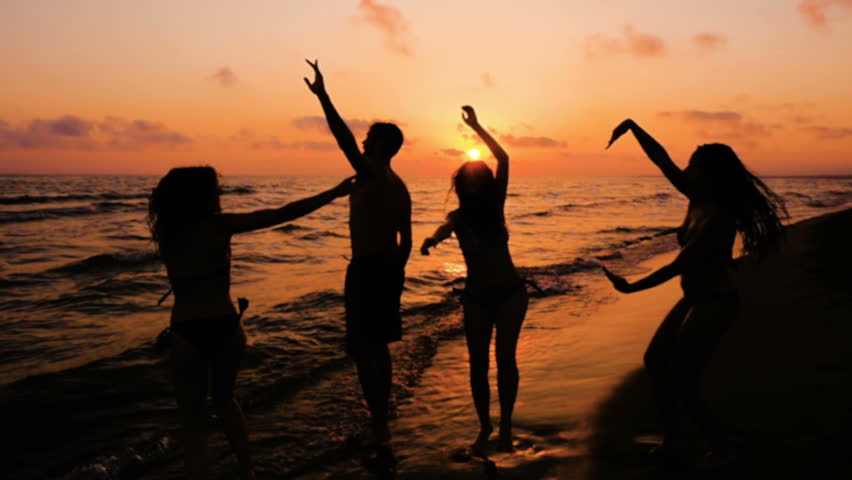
<point>206,343</point>
<point>724,199</point>
<point>495,296</point>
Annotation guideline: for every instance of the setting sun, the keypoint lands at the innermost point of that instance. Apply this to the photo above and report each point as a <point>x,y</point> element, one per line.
<point>473,154</point>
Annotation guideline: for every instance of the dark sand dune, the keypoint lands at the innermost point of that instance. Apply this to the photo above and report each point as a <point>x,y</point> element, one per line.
<point>782,379</point>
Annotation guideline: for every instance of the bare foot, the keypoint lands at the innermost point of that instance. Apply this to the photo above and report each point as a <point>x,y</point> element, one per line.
<point>480,446</point>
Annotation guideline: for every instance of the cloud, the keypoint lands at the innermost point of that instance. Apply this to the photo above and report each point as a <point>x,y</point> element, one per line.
<point>488,80</point>
<point>722,124</point>
<point>135,134</point>
<point>451,152</point>
<point>641,45</point>
<point>814,10</point>
<point>830,133</point>
<point>317,123</point>
<point>272,142</point>
<point>225,77</point>
<point>390,22</point>
<point>708,42</point>
<point>67,131</point>
<point>72,132</point>
<point>532,142</point>
<point>702,115</point>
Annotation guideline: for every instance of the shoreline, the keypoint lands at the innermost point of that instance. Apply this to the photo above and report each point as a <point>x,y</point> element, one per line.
<point>584,398</point>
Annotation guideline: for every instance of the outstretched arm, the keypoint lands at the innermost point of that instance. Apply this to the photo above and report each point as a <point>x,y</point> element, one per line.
<point>691,252</point>
<point>245,222</point>
<point>502,175</point>
<point>655,152</point>
<point>341,132</point>
<point>442,233</point>
<point>659,277</point>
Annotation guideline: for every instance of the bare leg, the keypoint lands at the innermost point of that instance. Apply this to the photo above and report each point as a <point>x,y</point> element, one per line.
<point>509,319</point>
<point>189,375</point>
<point>658,361</point>
<point>477,328</point>
<point>699,338</point>
<point>375,373</point>
<point>224,376</point>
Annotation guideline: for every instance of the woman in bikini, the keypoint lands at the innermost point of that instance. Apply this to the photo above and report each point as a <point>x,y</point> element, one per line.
<point>495,296</point>
<point>724,199</point>
<point>193,237</point>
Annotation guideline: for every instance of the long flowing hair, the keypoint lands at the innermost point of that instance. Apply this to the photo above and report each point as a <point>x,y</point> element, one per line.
<point>479,207</point>
<point>756,209</point>
<point>184,196</point>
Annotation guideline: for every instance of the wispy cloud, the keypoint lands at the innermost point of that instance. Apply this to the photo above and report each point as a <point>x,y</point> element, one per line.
<point>727,125</point>
<point>271,142</point>
<point>225,77</point>
<point>702,115</point>
<point>631,42</point>
<point>315,123</point>
<point>488,80</point>
<point>814,11</point>
<point>390,22</point>
<point>526,141</point>
<point>451,152</point>
<point>708,42</point>
<point>72,132</point>
<point>830,133</point>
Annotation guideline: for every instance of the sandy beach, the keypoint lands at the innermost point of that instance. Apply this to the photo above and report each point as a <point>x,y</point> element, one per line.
<point>780,382</point>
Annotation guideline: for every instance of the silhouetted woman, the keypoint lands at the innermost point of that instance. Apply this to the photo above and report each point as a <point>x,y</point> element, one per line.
<point>494,296</point>
<point>207,340</point>
<point>724,199</point>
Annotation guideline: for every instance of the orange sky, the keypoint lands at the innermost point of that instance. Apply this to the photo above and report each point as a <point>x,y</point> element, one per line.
<point>138,87</point>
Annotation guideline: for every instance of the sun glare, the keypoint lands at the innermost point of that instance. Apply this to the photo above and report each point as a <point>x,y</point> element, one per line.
<point>473,154</point>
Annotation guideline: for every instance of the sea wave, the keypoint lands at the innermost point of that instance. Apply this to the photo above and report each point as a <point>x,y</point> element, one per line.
<point>120,261</point>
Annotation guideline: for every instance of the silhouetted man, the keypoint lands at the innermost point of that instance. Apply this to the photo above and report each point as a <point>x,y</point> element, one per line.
<point>380,231</point>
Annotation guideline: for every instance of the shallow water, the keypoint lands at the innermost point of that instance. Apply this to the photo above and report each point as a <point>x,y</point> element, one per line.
<point>80,282</point>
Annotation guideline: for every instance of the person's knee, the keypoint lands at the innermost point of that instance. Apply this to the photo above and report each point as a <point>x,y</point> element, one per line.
<point>479,369</point>
<point>506,362</point>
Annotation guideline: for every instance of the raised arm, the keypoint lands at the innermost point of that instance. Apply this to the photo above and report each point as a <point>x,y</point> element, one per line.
<point>655,152</point>
<point>245,222</point>
<point>502,174</point>
<point>442,233</point>
<point>341,132</point>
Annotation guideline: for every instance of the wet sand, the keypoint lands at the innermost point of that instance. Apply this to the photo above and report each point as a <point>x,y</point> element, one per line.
<point>780,381</point>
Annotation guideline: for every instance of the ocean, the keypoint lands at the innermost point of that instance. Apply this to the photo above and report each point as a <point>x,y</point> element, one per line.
<point>86,394</point>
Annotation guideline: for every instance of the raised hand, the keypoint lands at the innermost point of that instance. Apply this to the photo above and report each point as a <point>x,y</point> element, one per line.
<point>618,282</point>
<point>620,130</point>
<point>469,116</point>
<point>344,188</point>
<point>318,86</point>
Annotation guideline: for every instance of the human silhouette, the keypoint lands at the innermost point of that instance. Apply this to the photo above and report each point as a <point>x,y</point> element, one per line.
<point>380,232</point>
<point>724,199</point>
<point>206,337</point>
<point>495,296</point>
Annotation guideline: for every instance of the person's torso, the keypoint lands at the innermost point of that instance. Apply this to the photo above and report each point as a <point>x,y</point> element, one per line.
<point>198,266</point>
<point>377,208</point>
<point>488,260</point>
<point>710,269</point>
